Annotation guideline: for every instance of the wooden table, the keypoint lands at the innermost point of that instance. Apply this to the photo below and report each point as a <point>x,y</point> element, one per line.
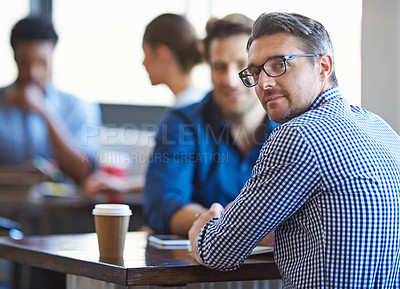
<point>143,264</point>
<point>41,209</point>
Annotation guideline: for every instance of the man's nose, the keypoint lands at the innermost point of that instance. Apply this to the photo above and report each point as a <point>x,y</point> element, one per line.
<point>232,77</point>
<point>265,81</point>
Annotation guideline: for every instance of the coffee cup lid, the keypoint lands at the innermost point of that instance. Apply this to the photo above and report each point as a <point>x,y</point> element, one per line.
<point>112,210</point>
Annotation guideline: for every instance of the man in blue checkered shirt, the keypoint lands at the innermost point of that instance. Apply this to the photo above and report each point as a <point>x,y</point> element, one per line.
<point>327,180</point>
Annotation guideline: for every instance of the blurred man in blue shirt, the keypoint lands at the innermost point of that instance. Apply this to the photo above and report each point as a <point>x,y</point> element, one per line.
<point>36,119</point>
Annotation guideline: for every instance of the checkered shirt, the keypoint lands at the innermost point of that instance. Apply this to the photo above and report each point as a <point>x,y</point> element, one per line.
<point>328,183</point>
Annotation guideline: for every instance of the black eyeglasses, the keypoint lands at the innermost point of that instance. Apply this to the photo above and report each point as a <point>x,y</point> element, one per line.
<point>273,67</point>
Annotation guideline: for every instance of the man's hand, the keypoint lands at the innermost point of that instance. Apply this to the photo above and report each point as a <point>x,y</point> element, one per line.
<point>26,96</point>
<point>215,211</point>
<point>183,218</point>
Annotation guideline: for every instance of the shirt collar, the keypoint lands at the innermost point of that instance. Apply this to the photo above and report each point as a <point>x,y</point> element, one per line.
<point>326,96</point>
<point>188,96</point>
<point>50,89</point>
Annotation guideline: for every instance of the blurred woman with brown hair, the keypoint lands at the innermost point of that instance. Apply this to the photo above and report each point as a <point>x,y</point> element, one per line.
<point>170,47</point>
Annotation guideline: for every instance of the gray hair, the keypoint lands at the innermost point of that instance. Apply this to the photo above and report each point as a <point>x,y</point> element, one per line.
<point>313,36</point>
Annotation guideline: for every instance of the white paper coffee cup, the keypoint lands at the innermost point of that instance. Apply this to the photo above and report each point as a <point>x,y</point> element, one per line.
<point>111,221</point>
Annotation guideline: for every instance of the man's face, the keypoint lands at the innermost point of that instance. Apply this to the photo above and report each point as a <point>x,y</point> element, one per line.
<point>227,57</point>
<point>291,94</point>
<point>34,62</point>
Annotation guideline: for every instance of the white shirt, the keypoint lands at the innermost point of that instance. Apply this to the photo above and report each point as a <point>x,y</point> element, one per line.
<point>189,96</point>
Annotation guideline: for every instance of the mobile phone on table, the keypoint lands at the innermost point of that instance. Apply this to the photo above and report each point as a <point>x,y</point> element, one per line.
<point>170,241</point>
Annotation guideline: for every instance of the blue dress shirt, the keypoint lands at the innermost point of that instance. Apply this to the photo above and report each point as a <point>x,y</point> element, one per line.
<point>24,134</point>
<point>195,160</point>
<point>328,182</point>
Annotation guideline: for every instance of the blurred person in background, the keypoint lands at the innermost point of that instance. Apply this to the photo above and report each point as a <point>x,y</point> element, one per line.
<point>171,51</point>
<point>204,153</point>
<point>42,126</point>
<point>39,123</point>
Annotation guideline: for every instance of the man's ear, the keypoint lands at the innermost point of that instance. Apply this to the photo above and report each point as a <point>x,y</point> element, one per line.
<point>325,62</point>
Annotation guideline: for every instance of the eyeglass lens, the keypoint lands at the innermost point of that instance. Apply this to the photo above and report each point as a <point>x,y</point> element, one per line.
<point>273,67</point>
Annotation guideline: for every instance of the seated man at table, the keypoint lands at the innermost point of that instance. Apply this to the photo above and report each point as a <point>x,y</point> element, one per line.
<point>327,180</point>
<point>204,152</point>
<point>37,121</point>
